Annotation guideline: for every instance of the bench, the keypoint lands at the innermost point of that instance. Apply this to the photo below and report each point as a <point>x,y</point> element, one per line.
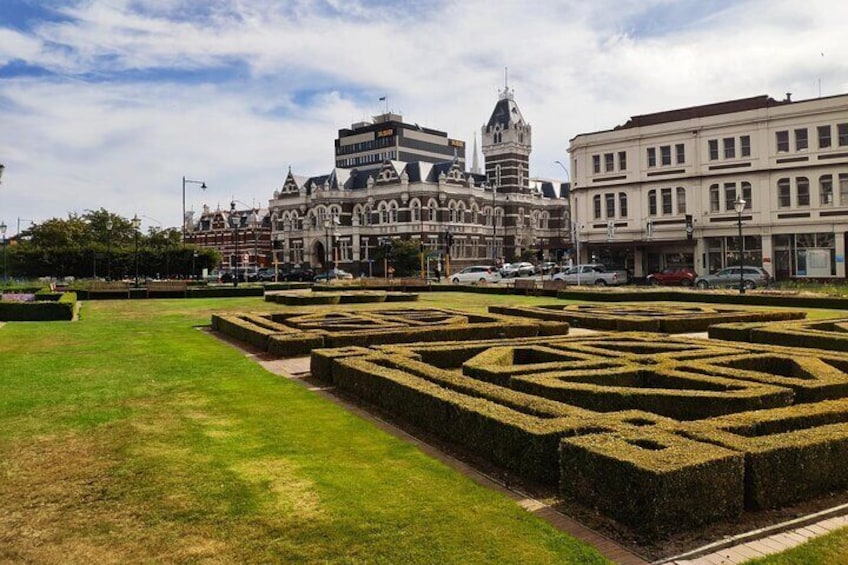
<point>553,285</point>
<point>108,287</point>
<point>162,287</point>
<point>527,285</point>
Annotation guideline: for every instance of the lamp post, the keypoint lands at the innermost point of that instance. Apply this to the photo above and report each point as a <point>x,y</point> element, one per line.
<point>3,235</point>
<point>234,222</point>
<point>327,225</point>
<point>202,187</point>
<point>254,223</point>
<point>194,256</point>
<point>136,224</point>
<point>739,206</point>
<point>575,231</point>
<point>109,226</point>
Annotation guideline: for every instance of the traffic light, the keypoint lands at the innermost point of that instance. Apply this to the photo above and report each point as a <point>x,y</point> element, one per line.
<point>448,241</point>
<point>540,254</point>
<point>690,228</point>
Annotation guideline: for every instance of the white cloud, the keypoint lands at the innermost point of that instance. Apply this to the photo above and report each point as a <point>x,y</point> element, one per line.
<point>235,91</point>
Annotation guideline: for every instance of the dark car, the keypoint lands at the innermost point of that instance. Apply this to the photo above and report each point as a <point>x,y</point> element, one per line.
<point>300,275</point>
<point>228,276</point>
<point>332,275</point>
<point>683,276</point>
<point>266,274</point>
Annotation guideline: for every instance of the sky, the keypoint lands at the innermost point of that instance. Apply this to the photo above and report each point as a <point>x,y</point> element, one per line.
<point>110,103</point>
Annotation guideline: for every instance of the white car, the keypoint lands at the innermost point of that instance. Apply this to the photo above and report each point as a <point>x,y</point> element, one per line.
<point>475,275</point>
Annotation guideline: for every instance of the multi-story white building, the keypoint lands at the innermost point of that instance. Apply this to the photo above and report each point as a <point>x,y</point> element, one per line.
<point>659,191</point>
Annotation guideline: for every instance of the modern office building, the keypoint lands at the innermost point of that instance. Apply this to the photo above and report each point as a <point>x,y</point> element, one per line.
<point>397,180</point>
<point>659,191</point>
<point>388,138</point>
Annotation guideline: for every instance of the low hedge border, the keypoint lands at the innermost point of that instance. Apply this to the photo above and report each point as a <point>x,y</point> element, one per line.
<point>63,308</point>
<point>791,454</point>
<point>665,319</point>
<point>316,298</point>
<point>669,295</point>
<point>654,481</point>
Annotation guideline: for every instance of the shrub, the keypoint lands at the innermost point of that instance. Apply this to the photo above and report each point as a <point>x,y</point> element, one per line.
<point>41,310</point>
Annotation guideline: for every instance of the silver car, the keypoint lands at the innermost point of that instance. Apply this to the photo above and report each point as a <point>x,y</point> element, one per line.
<point>752,277</point>
<point>475,275</point>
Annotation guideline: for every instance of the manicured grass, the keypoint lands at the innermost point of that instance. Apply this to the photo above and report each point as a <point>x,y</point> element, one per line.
<point>131,436</point>
<point>826,550</point>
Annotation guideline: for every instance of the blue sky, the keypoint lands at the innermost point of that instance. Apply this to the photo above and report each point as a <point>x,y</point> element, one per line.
<point>108,103</point>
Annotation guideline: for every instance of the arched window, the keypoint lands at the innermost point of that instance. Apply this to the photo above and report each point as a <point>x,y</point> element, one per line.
<point>499,216</point>
<point>393,212</point>
<point>383,211</point>
<point>415,210</point>
<point>681,200</point>
<point>452,211</point>
<point>434,210</point>
<point>475,214</point>
<point>747,195</point>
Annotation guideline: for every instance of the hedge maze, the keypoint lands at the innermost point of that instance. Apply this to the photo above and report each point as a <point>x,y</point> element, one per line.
<point>309,297</point>
<point>821,334</point>
<point>643,318</point>
<point>293,333</point>
<point>661,435</point>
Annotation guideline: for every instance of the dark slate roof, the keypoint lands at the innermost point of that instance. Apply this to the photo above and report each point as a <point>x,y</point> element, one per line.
<point>359,177</point>
<point>438,169</point>
<point>506,112</point>
<point>717,109</point>
<point>548,190</point>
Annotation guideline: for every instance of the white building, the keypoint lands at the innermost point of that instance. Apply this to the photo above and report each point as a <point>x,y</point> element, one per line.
<point>638,186</point>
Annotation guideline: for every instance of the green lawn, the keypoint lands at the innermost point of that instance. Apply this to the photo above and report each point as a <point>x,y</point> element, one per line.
<point>831,549</point>
<point>131,436</point>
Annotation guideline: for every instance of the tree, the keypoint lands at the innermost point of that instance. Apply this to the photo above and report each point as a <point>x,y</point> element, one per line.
<point>404,257</point>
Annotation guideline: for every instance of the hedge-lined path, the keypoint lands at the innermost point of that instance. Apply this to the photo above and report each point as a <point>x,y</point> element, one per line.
<point>767,541</point>
<point>298,369</point>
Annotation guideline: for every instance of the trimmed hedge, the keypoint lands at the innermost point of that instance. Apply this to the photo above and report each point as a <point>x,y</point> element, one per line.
<point>791,454</point>
<point>40,310</point>
<point>671,295</point>
<point>666,319</point>
<point>654,481</point>
<point>316,298</point>
<point>225,291</point>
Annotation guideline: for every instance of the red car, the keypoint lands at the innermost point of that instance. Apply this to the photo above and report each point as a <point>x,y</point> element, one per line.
<point>683,276</point>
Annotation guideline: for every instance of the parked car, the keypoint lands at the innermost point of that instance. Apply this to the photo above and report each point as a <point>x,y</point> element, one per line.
<point>332,275</point>
<point>591,274</point>
<point>546,267</point>
<point>673,275</point>
<point>243,276</point>
<point>752,277</point>
<point>266,274</point>
<point>299,275</point>
<point>523,269</point>
<point>475,275</point>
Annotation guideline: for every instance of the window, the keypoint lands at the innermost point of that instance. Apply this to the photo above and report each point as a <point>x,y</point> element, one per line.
<point>801,141</point>
<point>652,202</point>
<point>824,137</point>
<point>782,138</point>
<point>826,190</point>
<point>622,204</point>
<point>622,160</point>
<point>747,195</point>
<point>415,211</point>
<point>680,152</point>
<point>609,162</point>
<point>681,200</point>
<point>802,189</point>
<point>713,149</point>
<point>596,205</point>
<point>729,147</point>
<point>842,131</point>
<point>666,201</point>
<point>843,189</point>
<point>652,156</point>
<point>745,145</point>
<point>715,203</point>
<point>665,154</point>
<point>784,197</point>
<point>434,212</point>
<point>596,163</point>
<point>609,200</point>
<point>729,196</point>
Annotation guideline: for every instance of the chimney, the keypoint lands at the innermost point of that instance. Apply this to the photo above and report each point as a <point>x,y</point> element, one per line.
<point>789,97</point>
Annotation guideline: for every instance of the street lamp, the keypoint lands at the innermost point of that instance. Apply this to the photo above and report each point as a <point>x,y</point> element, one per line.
<point>109,226</point>
<point>136,224</point>
<point>189,181</point>
<point>575,229</point>
<point>3,235</point>
<point>739,206</point>
<point>234,222</point>
<point>193,262</point>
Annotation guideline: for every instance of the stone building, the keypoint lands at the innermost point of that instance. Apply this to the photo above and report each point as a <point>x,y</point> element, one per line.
<point>243,237</point>
<point>343,217</point>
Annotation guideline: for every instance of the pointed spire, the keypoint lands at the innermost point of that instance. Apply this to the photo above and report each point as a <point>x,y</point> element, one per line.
<point>475,162</point>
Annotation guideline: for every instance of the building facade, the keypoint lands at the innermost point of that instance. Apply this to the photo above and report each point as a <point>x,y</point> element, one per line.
<point>243,237</point>
<point>659,191</point>
<point>343,218</point>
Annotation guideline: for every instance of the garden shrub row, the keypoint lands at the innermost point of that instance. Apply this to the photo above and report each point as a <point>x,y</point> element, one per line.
<point>295,333</point>
<point>40,310</point>
<point>819,334</point>
<point>660,435</point>
<point>670,295</point>
<point>308,298</point>
<point>665,319</point>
